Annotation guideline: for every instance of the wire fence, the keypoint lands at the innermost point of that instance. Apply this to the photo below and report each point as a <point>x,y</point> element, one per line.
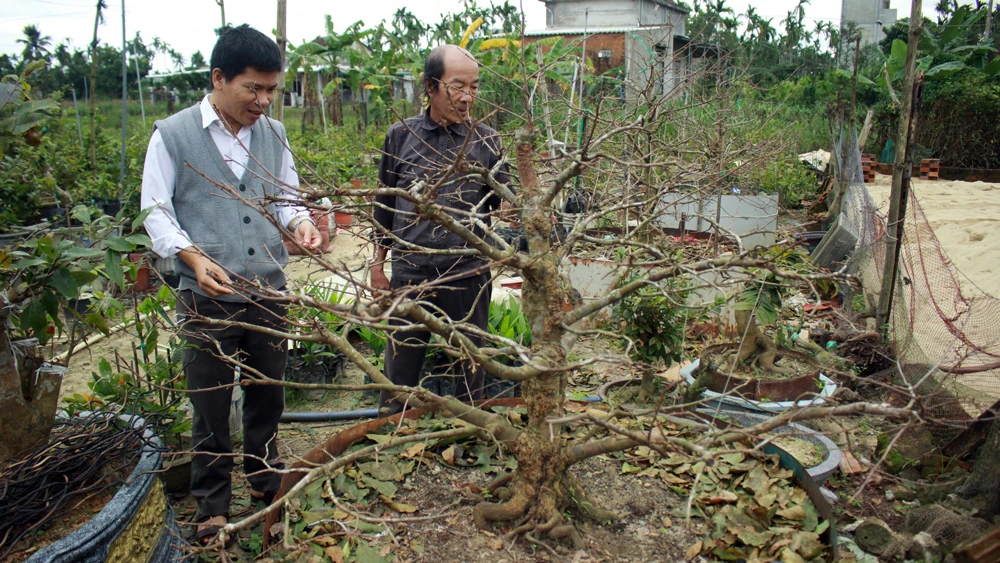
<point>945,330</point>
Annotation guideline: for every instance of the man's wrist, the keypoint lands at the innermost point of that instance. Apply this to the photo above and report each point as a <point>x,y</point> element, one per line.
<point>295,222</point>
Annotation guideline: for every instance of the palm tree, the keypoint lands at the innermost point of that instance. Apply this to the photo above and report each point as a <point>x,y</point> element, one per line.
<point>35,44</point>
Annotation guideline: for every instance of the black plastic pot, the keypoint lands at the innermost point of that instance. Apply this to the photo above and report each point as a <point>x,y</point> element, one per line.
<point>109,206</point>
<point>76,307</point>
<point>809,239</point>
<point>324,370</point>
<point>136,525</point>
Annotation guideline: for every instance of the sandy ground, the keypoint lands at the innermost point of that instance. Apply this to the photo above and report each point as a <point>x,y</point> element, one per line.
<point>965,217</point>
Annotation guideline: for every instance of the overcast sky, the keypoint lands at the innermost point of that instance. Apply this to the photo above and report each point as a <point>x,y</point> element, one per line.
<point>187,25</point>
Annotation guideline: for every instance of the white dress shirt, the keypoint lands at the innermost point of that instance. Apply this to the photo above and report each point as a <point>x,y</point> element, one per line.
<point>159,177</point>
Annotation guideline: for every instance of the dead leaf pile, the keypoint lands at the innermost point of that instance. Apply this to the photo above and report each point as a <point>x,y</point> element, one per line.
<point>747,506</point>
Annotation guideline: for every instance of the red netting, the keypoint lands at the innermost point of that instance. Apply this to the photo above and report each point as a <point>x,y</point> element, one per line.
<point>946,331</point>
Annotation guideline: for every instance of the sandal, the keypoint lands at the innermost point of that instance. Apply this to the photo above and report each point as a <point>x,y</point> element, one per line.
<point>266,497</point>
<point>208,528</point>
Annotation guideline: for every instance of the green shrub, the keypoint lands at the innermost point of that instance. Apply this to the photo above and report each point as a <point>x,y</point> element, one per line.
<point>652,320</point>
<point>788,178</point>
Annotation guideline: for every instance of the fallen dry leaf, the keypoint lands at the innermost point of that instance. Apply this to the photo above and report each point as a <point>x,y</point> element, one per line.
<point>397,506</point>
<point>335,554</point>
<point>496,544</point>
<point>385,551</point>
<point>789,556</point>
<point>793,513</point>
<point>693,551</point>
<point>449,455</point>
<point>414,450</point>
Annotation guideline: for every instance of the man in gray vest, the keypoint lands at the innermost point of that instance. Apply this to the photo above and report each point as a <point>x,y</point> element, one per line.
<point>220,180</point>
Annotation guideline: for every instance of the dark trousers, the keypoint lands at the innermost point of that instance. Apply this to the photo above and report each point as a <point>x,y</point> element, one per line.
<point>211,469</point>
<point>404,354</point>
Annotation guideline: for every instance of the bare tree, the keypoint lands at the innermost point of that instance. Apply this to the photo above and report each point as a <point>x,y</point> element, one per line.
<point>632,159</point>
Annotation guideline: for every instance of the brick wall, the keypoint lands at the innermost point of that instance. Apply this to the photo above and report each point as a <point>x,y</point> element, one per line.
<point>614,42</point>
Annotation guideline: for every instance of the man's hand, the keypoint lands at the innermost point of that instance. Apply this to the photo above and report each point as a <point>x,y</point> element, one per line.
<point>212,279</point>
<point>308,236</point>
<point>379,281</point>
<point>509,213</point>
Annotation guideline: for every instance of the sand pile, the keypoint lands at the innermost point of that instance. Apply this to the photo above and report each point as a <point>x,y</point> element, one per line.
<point>965,217</point>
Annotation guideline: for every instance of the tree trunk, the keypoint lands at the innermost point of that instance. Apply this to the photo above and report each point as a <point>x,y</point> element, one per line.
<point>755,342</point>
<point>282,40</point>
<point>334,107</point>
<point>27,403</point>
<point>541,487</point>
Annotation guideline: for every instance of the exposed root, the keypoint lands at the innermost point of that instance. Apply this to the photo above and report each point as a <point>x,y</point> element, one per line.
<point>530,536</point>
<point>486,512</point>
<point>551,523</point>
<point>501,481</point>
<point>588,508</point>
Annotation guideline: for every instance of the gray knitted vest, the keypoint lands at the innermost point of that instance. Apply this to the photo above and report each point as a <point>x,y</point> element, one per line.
<point>246,244</point>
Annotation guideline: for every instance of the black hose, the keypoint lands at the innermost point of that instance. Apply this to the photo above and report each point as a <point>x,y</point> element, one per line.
<point>328,415</point>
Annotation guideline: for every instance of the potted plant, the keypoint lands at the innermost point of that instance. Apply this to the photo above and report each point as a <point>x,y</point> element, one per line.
<point>755,367</point>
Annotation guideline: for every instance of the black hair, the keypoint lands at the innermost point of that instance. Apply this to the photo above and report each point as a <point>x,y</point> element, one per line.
<point>243,47</point>
<point>434,70</point>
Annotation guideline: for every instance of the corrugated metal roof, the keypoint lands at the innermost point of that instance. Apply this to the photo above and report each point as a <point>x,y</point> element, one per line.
<point>592,30</point>
<point>672,6</point>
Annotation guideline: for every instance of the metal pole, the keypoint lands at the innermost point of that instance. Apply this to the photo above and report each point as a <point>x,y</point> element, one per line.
<point>121,165</point>
<point>902,169</point>
<point>138,80</point>
<point>76,111</point>
<point>569,111</point>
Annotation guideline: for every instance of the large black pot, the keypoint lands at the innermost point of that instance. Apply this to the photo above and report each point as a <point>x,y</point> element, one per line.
<point>136,525</point>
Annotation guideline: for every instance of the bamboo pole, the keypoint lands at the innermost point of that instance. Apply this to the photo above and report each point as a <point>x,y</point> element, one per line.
<point>902,167</point>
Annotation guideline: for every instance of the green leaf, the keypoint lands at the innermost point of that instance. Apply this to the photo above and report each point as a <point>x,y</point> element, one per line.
<point>80,252</point>
<point>118,243</point>
<point>945,69</point>
<point>51,305</point>
<point>113,267</point>
<point>98,321</point>
<point>139,240</point>
<point>33,316</point>
<point>64,283</point>
<point>384,488</point>
<point>897,52</point>
<point>104,368</point>
<point>26,263</point>
<point>81,277</point>
<point>138,221</point>
<point>993,68</point>
<point>367,554</point>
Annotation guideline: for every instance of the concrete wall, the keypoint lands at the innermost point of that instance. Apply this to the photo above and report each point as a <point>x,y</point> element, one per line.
<point>753,218</point>
<point>607,13</point>
<point>867,14</point>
